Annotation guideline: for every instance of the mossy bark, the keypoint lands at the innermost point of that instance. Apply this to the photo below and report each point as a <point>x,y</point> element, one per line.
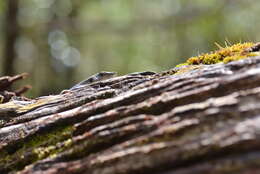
<point>196,120</point>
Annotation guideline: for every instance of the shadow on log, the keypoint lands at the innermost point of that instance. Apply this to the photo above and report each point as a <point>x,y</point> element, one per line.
<point>190,120</point>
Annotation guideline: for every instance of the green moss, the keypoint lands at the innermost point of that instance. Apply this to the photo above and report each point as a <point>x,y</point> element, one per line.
<point>52,150</point>
<point>238,57</point>
<point>50,137</point>
<point>38,147</point>
<point>227,54</point>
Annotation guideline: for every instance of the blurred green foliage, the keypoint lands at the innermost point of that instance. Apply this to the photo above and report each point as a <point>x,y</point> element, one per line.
<point>64,41</point>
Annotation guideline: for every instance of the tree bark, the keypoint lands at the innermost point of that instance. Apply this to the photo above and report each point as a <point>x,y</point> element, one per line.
<point>12,32</point>
<point>190,120</point>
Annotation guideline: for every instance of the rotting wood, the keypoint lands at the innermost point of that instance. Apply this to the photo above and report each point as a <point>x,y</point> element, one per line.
<point>202,120</point>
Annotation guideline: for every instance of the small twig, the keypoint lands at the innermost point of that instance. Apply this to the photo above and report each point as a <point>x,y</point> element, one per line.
<point>22,90</point>
<point>7,81</point>
<point>18,77</point>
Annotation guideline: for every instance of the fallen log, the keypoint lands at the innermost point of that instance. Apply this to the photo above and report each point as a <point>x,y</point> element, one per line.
<point>195,118</point>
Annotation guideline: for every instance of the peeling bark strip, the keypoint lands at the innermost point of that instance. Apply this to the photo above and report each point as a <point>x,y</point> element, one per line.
<point>196,119</point>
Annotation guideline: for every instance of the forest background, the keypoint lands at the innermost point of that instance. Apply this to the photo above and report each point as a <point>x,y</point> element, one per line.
<point>61,42</point>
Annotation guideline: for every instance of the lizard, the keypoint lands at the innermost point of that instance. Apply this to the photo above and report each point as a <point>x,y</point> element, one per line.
<point>103,75</point>
<point>145,73</point>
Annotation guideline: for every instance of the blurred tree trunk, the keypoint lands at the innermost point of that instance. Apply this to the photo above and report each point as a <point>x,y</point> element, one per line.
<point>11,34</point>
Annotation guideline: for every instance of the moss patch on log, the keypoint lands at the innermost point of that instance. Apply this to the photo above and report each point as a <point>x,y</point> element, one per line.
<point>36,148</point>
<point>224,54</point>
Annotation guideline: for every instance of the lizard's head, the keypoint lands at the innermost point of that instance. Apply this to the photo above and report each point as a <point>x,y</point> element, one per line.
<point>105,75</point>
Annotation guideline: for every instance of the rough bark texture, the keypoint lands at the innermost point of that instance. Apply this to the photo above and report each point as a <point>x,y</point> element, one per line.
<point>200,119</point>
